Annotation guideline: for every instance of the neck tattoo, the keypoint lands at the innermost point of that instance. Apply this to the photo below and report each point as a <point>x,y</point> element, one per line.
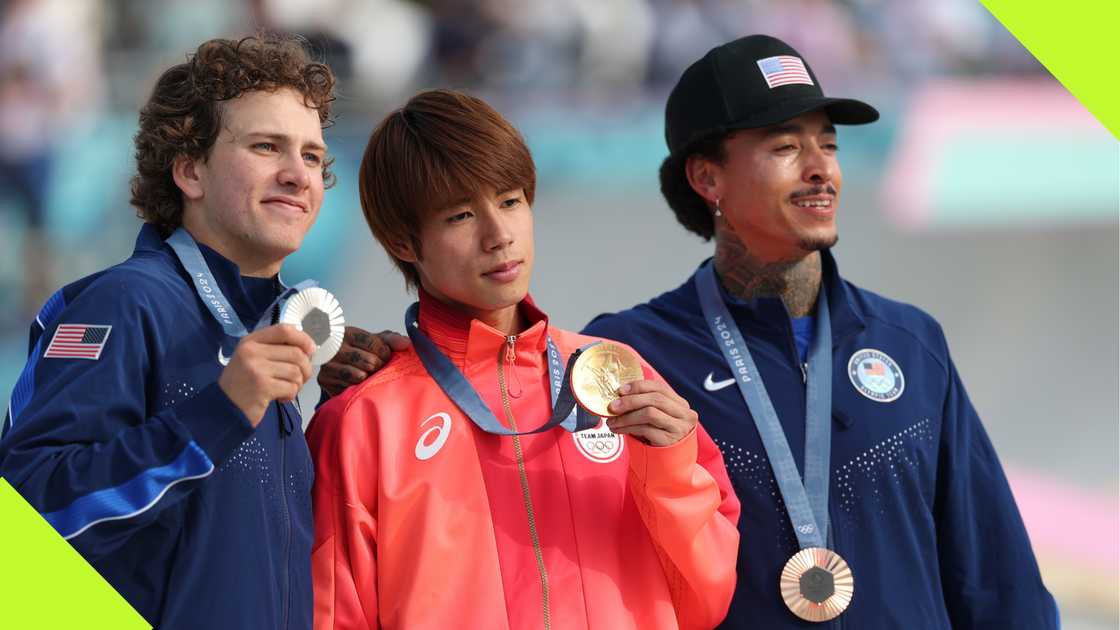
<point>797,282</point>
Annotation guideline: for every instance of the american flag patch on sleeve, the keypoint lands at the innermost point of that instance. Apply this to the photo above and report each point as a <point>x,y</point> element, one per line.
<point>78,341</point>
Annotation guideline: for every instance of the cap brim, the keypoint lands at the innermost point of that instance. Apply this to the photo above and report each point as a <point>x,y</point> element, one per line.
<point>841,111</point>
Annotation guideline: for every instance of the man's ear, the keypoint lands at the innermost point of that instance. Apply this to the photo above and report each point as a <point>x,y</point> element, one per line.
<point>403,250</point>
<point>705,177</point>
<point>187,173</point>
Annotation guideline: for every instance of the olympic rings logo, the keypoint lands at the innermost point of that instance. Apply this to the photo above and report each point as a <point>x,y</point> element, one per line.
<point>600,450</point>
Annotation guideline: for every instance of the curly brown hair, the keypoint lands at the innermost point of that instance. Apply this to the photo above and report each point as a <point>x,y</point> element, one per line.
<point>183,116</point>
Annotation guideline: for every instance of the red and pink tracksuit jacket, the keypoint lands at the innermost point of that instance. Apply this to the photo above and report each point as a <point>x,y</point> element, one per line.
<point>424,521</point>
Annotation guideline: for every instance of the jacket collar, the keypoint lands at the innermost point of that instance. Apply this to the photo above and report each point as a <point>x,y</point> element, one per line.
<point>249,296</point>
<point>771,313</point>
<point>467,341</point>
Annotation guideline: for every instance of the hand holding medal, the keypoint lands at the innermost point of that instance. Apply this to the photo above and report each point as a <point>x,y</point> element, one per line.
<point>608,381</point>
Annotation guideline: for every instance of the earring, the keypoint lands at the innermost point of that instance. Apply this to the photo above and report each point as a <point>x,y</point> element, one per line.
<point>718,212</point>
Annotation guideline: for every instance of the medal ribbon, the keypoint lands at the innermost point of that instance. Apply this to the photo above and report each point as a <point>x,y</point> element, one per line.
<point>565,413</point>
<point>190,256</point>
<point>806,503</point>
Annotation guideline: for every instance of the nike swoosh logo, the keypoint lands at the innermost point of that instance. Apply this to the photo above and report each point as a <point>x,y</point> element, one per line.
<point>714,386</point>
<point>222,358</point>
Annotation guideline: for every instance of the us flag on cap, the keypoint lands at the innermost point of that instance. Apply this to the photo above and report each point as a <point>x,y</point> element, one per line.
<point>784,70</point>
<point>78,341</point>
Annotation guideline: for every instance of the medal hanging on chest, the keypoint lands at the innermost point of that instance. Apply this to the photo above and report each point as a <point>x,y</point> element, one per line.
<point>816,583</point>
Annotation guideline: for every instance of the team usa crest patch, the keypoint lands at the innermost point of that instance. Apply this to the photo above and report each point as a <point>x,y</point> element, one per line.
<point>876,375</point>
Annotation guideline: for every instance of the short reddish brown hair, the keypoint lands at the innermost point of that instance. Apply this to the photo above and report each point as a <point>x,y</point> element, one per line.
<point>183,116</point>
<point>440,147</point>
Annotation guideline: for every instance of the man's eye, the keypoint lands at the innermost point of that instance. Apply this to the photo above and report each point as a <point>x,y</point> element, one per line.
<point>512,202</point>
<point>312,158</point>
<point>458,218</point>
<point>265,146</point>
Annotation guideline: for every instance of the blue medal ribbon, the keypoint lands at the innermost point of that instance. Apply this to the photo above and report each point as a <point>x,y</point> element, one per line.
<point>190,256</point>
<point>565,413</point>
<point>806,503</point>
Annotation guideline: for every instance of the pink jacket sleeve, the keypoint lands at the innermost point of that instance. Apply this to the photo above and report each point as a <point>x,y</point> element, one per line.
<point>344,556</point>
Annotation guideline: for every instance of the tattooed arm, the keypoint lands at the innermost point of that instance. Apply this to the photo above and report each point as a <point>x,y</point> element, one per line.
<point>362,354</point>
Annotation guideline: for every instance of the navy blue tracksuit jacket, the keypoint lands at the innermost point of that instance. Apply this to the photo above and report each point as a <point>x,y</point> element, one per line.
<point>140,460</point>
<point>918,502</point>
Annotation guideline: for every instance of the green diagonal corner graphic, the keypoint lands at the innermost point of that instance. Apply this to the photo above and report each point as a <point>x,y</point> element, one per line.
<point>45,583</point>
<point>1076,42</point>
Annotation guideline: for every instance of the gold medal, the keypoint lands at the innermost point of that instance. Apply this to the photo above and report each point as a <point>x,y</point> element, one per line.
<point>599,372</point>
<point>817,584</point>
<point>316,312</point>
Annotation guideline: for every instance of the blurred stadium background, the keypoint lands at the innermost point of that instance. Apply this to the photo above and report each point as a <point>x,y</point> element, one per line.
<point>986,194</point>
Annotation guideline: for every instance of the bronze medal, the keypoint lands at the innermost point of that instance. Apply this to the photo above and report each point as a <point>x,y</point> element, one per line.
<point>817,584</point>
<point>599,372</point>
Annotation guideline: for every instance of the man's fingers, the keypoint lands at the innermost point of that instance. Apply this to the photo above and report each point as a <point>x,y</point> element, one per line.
<point>648,386</point>
<point>396,342</point>
<point>358,359</point>
<point>633,402</point>
<point>286,373</point>
<point>651,416</point>
<point>333,387</point>
<point>283,334</point>
<point>647,434</point>
<point>366,341</point>
<point>282,353</point>
<point>342,374</point>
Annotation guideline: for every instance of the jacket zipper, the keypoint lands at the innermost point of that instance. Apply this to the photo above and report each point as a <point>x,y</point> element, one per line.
<point>283,420</point>
<point>509,351</point>
<point>281,417</point>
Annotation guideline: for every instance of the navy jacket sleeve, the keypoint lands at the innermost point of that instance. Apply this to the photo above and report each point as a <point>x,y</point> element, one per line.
<point>988,570</point>
<point>85,446</point>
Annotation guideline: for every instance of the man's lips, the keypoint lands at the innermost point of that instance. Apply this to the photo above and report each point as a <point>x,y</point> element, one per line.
<point>823,204</point>
<point>505,272</point>
<point>295,204</point>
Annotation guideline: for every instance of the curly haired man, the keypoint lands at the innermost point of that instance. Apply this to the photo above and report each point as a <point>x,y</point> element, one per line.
<point>154,424</point>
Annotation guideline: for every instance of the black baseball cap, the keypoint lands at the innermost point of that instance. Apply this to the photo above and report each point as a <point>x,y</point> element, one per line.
<point>752,82</point>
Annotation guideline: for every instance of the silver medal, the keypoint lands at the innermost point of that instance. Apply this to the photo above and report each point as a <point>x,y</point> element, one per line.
<point>316,312</point>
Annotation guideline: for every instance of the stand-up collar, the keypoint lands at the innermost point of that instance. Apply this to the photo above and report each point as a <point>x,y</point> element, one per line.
<point>467,341</point>
<point>770,312</point>
<point>249,296</point>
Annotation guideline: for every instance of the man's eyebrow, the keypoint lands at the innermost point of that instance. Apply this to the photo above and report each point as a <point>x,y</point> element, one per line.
<point>781,130</point>
<point>794,128</point>
<point>281,138</point>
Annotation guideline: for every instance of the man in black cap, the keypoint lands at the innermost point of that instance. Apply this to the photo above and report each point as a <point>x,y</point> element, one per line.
<point>872,497</point>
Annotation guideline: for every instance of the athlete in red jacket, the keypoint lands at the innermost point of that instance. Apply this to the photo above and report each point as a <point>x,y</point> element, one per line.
<point>425,520</point>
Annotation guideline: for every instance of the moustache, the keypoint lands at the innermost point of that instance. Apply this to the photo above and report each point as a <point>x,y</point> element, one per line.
<point>816,190</point>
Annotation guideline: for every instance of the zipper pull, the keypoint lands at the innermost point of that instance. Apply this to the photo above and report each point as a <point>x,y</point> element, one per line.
<point>511,357</point>
<point>804,373</point>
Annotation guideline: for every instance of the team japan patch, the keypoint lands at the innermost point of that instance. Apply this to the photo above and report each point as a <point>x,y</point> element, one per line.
<point>78,341</point>
<point>599,445</point>
<point>876,375</point>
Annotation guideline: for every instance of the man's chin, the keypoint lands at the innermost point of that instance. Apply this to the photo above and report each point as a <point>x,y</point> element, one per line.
<point>819,243</point>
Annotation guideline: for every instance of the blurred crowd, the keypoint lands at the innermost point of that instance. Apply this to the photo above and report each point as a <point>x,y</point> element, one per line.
<point>66,63</point>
